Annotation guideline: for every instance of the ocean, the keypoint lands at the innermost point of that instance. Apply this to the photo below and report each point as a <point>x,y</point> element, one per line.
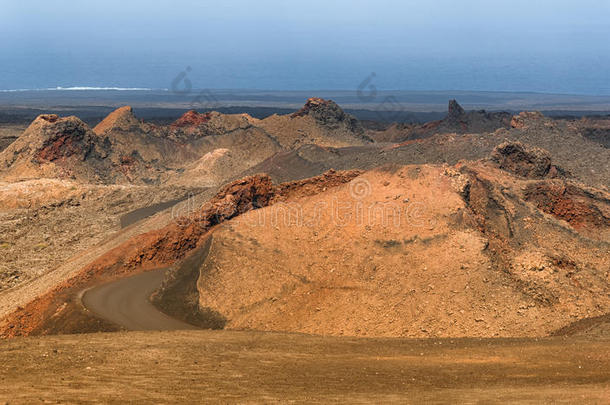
<point>514,72</point>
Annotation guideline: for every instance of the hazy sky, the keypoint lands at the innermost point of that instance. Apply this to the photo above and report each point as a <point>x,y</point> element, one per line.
<point>305,35</point>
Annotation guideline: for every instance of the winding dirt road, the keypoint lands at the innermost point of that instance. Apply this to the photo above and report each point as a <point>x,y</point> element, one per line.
<point>126,303</point>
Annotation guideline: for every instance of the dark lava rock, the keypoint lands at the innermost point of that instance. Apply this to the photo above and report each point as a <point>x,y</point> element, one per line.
<point>455,112</point>
<point>522,160</point>
<point>329,114</point>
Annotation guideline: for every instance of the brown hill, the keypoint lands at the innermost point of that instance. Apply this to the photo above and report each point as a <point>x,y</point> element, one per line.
<point>122,149</point>
<point>184,151</point>
<point>416,251</point>
<point>528,210</point>
<point>121,119</point>
<point>321,122</point>
<point>56,147</point>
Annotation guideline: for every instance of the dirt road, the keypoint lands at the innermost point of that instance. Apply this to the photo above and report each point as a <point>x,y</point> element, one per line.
<point>26,292</point>
<point>126,303</point>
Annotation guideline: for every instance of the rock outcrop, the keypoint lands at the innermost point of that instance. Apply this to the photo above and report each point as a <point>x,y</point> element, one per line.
<point>326,112</point>
<point>460,121</point>
<point>321,122</point>
<point>455,112</point>
<point>523,161</point>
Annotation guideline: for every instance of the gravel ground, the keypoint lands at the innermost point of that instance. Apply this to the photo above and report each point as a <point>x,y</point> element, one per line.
<point>227,367</point>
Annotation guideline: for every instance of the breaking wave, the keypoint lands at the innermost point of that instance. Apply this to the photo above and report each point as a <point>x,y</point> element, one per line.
<point>81,88</point>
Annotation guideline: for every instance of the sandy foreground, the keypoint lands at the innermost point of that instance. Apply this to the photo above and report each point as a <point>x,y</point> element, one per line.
<point>227,366</point>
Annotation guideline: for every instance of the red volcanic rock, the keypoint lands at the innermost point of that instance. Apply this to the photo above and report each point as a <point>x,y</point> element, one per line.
<point>60,138</point>
<point>192,118</point>
<point>62,146</point>
<point>570,203</point>
<point>181,236</point>
<point>245,194</point>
